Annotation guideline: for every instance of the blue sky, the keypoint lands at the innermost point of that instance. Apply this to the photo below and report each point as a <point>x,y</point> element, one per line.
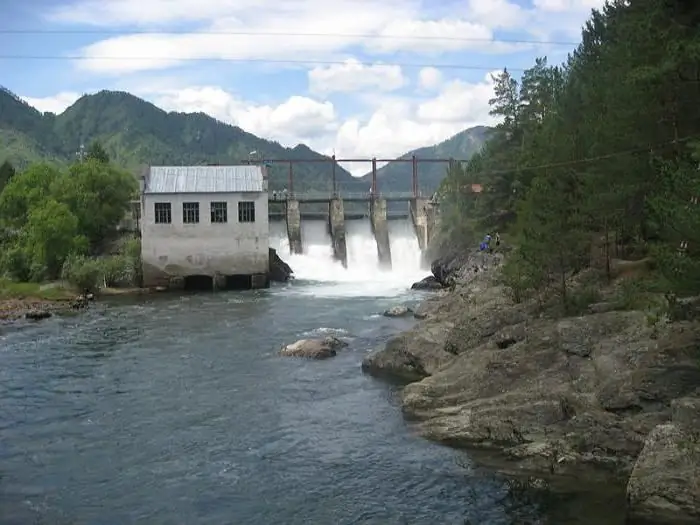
<point>358,77</point>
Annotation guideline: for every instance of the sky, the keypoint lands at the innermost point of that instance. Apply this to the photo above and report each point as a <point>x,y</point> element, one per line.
<point>358,78</point>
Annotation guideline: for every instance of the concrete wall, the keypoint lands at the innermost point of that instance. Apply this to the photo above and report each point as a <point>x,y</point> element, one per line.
<point>178,250</point>
<point>294,226</point>
<point>380,227</point>
<point>336,219</point>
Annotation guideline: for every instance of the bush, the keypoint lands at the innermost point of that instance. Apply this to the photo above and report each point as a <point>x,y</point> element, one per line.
<point>121,270</point>
<point>85,273</point>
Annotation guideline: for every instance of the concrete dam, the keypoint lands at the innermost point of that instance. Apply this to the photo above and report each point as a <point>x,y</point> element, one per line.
<point>419,213</point>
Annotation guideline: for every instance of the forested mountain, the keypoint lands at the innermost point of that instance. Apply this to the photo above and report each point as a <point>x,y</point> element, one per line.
<point>603,147</point>
<point>398,175</point>
<point>136,133</point>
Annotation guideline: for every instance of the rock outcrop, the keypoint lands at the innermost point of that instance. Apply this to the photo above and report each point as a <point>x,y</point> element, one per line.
<point>553,396</point>
<point>430,283</point>
<point>321,348</point>
<point>665,484</point>
<point>280,271</point>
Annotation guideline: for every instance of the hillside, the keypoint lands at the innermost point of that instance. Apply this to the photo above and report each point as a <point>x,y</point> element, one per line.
<point>136,133</point>
<point>397,176</point>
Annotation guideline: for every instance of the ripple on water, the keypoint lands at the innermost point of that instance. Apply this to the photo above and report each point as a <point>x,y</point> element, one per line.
<point>179,410</point>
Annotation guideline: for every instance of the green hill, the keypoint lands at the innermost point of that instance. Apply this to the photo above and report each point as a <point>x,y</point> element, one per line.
<point>397,176</point>
<point>136,133</point>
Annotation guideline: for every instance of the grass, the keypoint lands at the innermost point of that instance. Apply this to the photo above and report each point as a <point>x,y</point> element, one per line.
<point>16,290</point>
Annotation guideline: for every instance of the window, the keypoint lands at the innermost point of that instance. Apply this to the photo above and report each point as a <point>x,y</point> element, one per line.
<point>163,212</point>
<point>190,212</point>
<point>219,212</point>
<point>246,211</point>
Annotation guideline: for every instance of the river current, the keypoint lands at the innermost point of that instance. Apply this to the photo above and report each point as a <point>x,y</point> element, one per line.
<point>177,409</point>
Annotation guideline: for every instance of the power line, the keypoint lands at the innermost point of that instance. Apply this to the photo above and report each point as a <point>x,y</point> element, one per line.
<point>10,31</point>
<point>259,60</point>
<point>586,160</point>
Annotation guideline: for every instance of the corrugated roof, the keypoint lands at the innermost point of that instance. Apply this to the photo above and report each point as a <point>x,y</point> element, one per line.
<point>205,179</point>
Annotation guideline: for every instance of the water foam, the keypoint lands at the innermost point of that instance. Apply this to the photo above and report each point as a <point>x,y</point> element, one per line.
<point>363,277</point>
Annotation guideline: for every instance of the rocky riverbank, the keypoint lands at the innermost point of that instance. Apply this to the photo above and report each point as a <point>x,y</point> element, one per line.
<point>611,393</point>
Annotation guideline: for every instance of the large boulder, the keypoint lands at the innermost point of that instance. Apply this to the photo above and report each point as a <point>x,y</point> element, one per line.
<point>553,395</point>
<point>280,271</point>
<point>321,348</point>
<point>430,283</point>
<point>398,311</point>
<point>665,484</point>
<point>462,266</point>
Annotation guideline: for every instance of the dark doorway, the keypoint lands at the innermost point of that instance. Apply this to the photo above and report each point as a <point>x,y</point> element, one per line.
<point>199,283</point>
<point>239,282</point>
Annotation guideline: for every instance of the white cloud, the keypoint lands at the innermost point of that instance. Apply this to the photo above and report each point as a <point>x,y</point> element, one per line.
<point>459,101</point>
<point>107,13</point>
<point>429,78</point>
<point>227,30</point>
<point>54,104</point>
<point>386,125</point>
<point>295,120</point>
<point>568,5</point>
<point>354,76</point>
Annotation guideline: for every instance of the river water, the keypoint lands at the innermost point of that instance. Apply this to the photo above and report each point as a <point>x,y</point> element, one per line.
<point>177,409</point>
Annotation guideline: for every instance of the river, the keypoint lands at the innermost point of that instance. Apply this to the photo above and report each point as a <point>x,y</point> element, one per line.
<point>177,409</point>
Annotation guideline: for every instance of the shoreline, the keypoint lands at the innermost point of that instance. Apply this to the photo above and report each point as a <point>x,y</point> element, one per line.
<point>56,301</point>
<point>608,395</point>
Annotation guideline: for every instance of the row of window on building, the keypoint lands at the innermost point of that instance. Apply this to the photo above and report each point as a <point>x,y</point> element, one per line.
<point>190,212</point>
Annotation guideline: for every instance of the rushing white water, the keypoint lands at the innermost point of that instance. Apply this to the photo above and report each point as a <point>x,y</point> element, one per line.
<point>363,277</point>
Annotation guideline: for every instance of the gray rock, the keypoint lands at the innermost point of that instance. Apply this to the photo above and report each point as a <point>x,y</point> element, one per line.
<point>430,283</point>
<point>321,348</point>
<point>37,315</point>
<point>280,271</point>
<point>664,486</point>
<point>398,311</point>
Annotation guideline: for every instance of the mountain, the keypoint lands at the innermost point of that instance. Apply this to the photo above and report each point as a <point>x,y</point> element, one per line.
<point>136,133</point>
<point>398,175</point>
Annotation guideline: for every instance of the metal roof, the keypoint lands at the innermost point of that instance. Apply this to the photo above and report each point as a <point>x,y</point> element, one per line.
<point>205,179</point>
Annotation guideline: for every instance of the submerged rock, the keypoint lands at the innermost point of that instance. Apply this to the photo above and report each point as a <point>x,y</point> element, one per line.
<point>280,271</point>
<point>398,311</point>
<point>321,348</point>
<point>37,315</point>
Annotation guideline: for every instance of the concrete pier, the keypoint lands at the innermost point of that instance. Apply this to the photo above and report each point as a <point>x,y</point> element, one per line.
<point>336,222</point>
<point>419,218</point>
<point>294,226</point>
<point>421,215</point>
<point>380,228</point>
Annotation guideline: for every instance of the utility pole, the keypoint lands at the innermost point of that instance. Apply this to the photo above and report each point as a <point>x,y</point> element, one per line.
<point>81,153</point>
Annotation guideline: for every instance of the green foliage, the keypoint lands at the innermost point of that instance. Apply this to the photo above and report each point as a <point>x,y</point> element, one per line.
<point>85,273</point>
<point>7,171</point>
<point>97,152</point>
<point>50,235</point>
<point>99,194</point>
<point>49,216</point>
<point>93,273</point>
<point>600,147</point>
<point>24,191</point>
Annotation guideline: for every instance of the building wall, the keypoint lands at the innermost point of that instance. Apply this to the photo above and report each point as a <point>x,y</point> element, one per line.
<point>205,248</point>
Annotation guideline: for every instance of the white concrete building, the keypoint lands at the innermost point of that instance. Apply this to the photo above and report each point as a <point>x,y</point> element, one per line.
<point>205,221</point>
